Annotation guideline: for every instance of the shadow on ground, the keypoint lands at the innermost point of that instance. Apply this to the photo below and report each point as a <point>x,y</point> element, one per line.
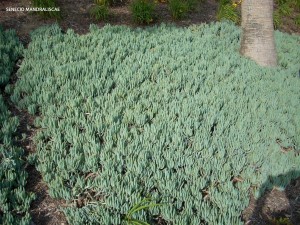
<point>276,207</point>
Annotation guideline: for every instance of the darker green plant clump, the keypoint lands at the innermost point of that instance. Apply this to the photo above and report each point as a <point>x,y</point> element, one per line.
<point>47,4</point>
<point>10,50</point>
<point>100,12</point>
<point>287,8</point>
<point>180,8</point>
<point>229,10</point>
<point>172,113</point>
<point>143,11</point>
<point>14,201</point>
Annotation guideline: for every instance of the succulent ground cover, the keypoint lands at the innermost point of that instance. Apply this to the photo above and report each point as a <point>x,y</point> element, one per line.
<point>14,200</point>
<point>10,50</point>
<point>171,113</point>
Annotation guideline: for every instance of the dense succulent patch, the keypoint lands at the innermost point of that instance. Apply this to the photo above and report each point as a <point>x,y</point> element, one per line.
<point>14,201</point>
<point>174,113</point>
<point>10,50</point>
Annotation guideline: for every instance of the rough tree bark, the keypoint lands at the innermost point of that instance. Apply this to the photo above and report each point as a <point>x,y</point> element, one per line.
<point>257,41</point>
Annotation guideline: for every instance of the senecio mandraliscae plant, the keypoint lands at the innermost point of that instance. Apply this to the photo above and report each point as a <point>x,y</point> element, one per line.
<point>10,50</point>
<point>14,200</point>
<point>174,113</point>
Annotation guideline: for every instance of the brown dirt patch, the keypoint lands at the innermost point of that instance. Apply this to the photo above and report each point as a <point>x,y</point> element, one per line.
<point>44,209</point>
<point>75,15</point>
<point>275,204</point>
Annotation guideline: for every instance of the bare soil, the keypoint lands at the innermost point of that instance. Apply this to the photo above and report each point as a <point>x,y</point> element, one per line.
<point>273,205</point>
<point>75,15</point>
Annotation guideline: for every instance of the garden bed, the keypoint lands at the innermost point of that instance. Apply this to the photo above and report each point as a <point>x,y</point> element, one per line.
<point>82,74</point>
<point>109,118</point>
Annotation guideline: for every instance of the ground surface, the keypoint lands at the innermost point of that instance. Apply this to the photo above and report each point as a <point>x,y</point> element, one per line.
<point>76,16</point>
<point>45,210</point>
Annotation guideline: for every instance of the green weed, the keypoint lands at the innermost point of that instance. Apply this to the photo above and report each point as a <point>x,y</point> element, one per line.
<point>192,4</point>
<point>142,11</point>
<point>145,204</point>
<point>229,12</point>
<point>100,12</point>
<point>47,4</point>
<point>281,221</point>
<point>178,8</point>
<point>277,20</point>
<point>297,21</point>
<point>285,9</point>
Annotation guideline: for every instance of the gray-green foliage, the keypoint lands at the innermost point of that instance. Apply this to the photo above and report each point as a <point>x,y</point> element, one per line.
<point>14,201</point>
<point>174,113</point>
<point>10,50</point>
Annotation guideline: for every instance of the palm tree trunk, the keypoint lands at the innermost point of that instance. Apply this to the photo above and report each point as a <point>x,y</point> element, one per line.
<point>257,42</point>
